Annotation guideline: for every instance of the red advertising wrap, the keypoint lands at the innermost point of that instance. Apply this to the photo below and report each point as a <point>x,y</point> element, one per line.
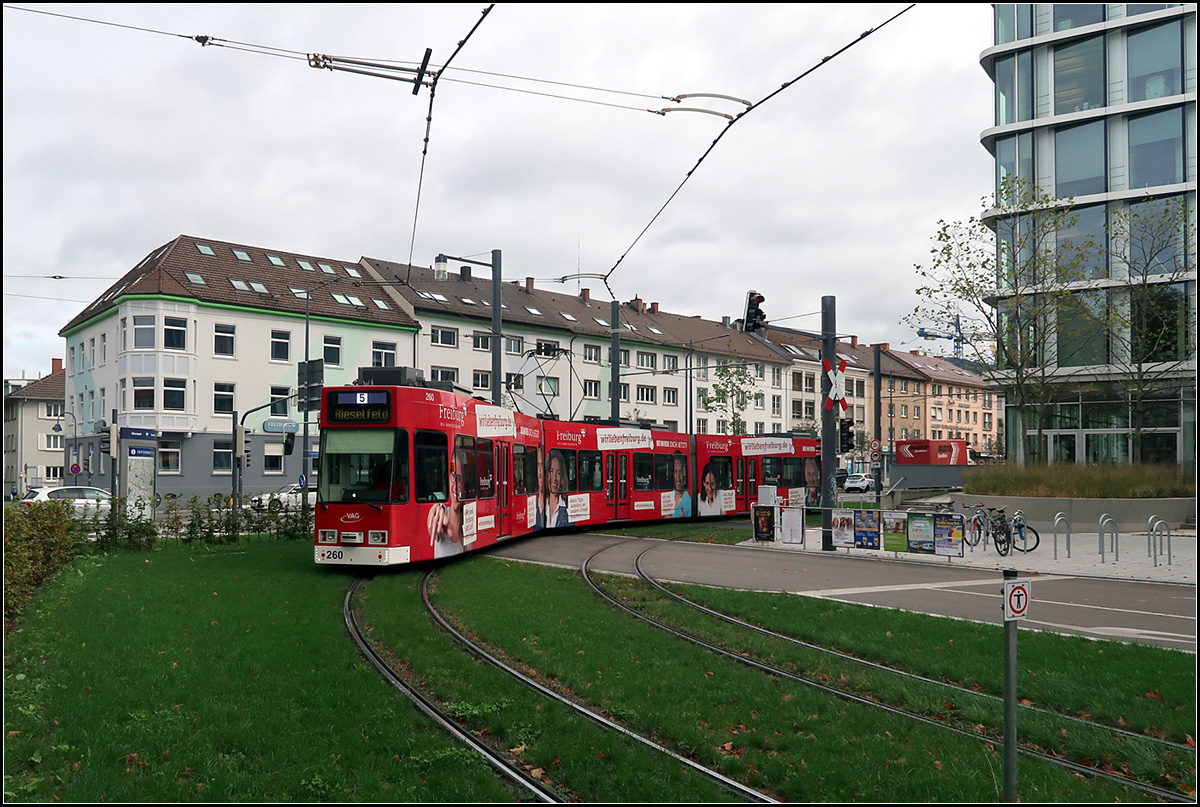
<point>931,452</point>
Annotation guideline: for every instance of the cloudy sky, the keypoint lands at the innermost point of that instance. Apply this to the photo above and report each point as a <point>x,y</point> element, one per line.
<point>116,140</point>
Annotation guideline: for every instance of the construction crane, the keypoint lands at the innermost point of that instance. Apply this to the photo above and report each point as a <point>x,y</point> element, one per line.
<point>957,336</point>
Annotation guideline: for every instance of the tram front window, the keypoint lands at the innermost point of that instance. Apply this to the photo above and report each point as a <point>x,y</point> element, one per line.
<point>364,465</point>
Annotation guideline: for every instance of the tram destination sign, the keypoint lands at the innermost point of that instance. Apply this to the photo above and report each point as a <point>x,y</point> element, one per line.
<point>348,407</point>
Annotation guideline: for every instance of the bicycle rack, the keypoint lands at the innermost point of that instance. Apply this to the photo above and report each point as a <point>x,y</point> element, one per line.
<point>1155,528</point>
<point>1107,519</point>
<point>1062,518</point>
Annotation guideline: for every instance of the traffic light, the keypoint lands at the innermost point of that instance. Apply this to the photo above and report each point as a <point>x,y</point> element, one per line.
<point>239,440</point>
<point>754,317</point>
<point>289,443</point>
<point>847,441</point>
<point>113,434</point>
<point>246,457</point>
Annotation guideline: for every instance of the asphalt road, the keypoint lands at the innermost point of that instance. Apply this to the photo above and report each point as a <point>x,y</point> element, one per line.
<point>1095,602</point>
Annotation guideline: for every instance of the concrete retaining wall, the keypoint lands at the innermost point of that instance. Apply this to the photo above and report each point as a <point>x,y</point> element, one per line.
<point>1084,515</point>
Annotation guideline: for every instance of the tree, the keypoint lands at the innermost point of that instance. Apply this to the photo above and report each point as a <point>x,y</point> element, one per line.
<point>1151,255</point>
<point>1010,280</point>
<point>733,386</point>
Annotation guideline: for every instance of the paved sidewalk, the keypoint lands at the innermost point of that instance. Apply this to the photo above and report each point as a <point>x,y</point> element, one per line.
<point>1130,560</point>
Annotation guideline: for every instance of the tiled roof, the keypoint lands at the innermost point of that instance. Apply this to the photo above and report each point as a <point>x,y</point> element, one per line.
<point>50,388</point>
<point>219,272</point>
<point>469,296</point>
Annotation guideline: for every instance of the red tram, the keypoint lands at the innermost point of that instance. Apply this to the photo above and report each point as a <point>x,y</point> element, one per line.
<point>412,473</point>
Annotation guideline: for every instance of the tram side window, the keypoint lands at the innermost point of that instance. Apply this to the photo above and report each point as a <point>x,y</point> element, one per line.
<point>771,470</point>
<point>530,471</point>
<point>465,471</point>
<point>518,461</point>
<point>664,470</point>
<point>793,472</point>
<point>591,472</point>
<point>723,466</point>
<point>643,471</point>
<point>431,462</point>
<point>485,465</point>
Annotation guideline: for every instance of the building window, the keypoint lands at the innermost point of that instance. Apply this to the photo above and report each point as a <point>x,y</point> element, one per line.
<point>810,382</point>
<point>547,347</point>
<point>1156,149</point>
<point>670,395</point>
<point>1014,88</point>
<point>776,406</point>
<point>1079,76</point>
<point>646,361</point>
<point>222,457</point>
<point>810,410</point>
<point>702,364</point>
<point>279,400</point>
<point>383,354</point>
<point>174,334</point>
<point>481,340</point>
<point>514,382</point>
<point>647,395</point>
<point>591,389</point>
<point>547,385</point>
<point>481,379</point>
<point>333,351</point>
<point>223,398</point>
<point>1077,15</point>
<point>447,337</point>
<point>591,354</point>
<point>670,363</point>
<point>777,377</point>
<point>1155,62</point>
<point>272,458</point>
<point>444,374</point>
<point>701,425</point>
<point>170,453</point>
<point>175,394</point>
<point>622,390</point>
<point>143,333</point>
<point>143,393</point>
<point>1080,167</point>
<point>281,345</point>
<point>223,339</point>
<point>1082,330</point>
<point>1081,248</point>
<point>1159,322</point>
<point>514,345</point>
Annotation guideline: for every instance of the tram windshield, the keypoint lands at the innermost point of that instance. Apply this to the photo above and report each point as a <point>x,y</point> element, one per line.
<point>364,465</point>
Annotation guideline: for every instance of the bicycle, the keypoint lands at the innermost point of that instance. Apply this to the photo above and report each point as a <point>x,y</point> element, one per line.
<point>1023,534</point>
<point>1001,530</point>
<point>977,529</point>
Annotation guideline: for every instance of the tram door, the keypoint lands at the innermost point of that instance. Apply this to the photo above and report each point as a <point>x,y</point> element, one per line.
<point>751,481</point>
<point>739,485</point>
<point>621,501</point>
<point>503,489</point>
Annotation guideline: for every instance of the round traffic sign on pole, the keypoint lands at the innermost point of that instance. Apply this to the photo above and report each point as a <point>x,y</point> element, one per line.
<point>875,446</point>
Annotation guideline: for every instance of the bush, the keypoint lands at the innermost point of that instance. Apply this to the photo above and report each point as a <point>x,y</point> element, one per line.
<point>1078,481</point>
<point>39,539</point>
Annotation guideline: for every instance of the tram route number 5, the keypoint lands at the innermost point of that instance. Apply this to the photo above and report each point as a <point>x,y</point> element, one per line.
<point>1016,599</point>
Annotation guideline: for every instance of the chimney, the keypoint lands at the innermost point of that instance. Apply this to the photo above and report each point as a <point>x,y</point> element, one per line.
<point>653,308</point>
<point>464,274</point>
<point>55,365</point>
<point>637,305</point>
<point>853,341</point>
<point>585,295</point>
<point>884,346</point>
<point>915,352</point>
<point>529,285</point>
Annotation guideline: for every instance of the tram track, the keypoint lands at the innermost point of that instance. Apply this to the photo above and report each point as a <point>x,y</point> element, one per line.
<point>606,723</point>
<point>870,702</point>
<point>503,766</point>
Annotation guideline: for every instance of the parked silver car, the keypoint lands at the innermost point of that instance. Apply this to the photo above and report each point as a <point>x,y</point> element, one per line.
<point>85,500</point>
<point>290,495</point>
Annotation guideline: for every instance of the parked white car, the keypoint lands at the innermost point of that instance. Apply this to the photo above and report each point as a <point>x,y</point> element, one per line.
<point>859,483</point>
<point>85,500</point>
<point>291,496</point>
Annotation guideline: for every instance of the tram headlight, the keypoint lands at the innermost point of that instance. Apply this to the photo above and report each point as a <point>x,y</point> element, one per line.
<point>377,537</point>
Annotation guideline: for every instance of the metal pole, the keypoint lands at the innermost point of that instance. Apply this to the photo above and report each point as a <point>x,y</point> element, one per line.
<point>879,422</point>
<point>1010,702</point>
<point>614,394</point>
<point>304,397</point>
<point>497,327</point>
<point>829,428</point>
